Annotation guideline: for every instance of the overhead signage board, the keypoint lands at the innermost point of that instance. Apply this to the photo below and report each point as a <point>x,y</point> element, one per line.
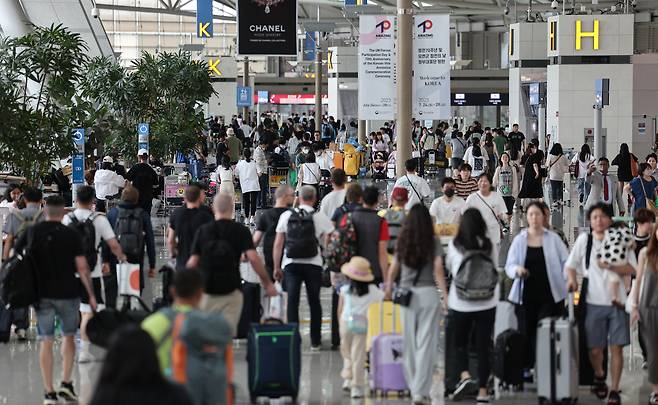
<point>204,20</point>
<point>377,90</point>
<point>267,27</point>
<point>307,99</point>
<point>479,99</point>
<point>431,65</point>
<point>590,35</point>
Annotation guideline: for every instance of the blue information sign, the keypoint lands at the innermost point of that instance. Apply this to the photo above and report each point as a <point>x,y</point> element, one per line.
<point>79,136</point>
<point>78,163</point>
<point>204,19</point>
<point>244,96</point>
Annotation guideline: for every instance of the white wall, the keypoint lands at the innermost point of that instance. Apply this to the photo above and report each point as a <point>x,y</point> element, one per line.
<point>224,103</point>
<point>645,101</point>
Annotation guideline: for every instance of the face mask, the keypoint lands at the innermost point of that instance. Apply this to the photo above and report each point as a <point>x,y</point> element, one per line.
<point>449,192</point>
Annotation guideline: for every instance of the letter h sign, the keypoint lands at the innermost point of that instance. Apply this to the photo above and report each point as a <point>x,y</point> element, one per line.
<point>591,34</point>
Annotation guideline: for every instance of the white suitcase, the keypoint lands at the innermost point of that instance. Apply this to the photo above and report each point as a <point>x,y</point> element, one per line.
<point>557,359</point>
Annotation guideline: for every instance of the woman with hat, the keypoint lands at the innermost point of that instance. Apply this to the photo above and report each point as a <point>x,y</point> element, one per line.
<point>419,258</point>
<point>355,298</point>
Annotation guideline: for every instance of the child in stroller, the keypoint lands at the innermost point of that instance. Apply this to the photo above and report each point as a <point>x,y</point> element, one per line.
<point>379,163</point>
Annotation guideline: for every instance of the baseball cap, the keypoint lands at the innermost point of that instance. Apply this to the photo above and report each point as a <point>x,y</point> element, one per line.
<point>400,194</point>
<point>108,159</point>
<point>142,152</point>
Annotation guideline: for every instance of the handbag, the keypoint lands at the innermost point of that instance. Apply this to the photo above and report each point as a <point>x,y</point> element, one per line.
<point>651,204</point>
<point>357,324</point>
<point>402,295</point>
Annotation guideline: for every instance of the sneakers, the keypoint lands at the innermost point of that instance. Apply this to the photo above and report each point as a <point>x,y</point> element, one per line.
<point>21,334</point>
<point>66,391</point>
<point>316,348</point>
<point>419,400</point>
<point>465,387</point>
<point>356,393</point>
<point>347,385</point>
<point>86,357</point>
<point>482,400</point>
<point>50,398</point>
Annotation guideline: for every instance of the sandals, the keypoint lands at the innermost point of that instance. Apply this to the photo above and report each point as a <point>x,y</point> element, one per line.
<point>614,398</point>
<point>600,388</point>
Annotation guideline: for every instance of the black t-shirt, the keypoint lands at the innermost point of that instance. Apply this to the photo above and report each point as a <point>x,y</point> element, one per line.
<point>185,222</point>
<point>222,150</point>
<point>237,235</point>
<point>515,140</point>
<point>267,224</point>
<point>55,248</point>
<point>143,178</point>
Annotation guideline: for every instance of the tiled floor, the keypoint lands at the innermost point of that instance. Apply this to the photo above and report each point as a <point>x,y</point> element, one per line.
<point>20,378</point>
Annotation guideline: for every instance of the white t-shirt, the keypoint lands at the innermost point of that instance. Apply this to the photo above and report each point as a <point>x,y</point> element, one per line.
<point>447,212</point>
<point>453,261</point>
<point>582,169</point>
<point>325,161</point>
<point>107,183</point>
<point>332,201</point>
<point>496,202</point>
<point>323,226</point>
<point>247,172</point>
<point>598,292</point>
<point>419,184</point>
<point>104,232</point>
<point>310,173</point>
<point>359,305</point>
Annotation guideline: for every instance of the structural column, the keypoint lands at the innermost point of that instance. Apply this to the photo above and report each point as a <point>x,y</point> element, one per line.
<point>318,83</point>
<point>245,83</point>
<point>362,132</point>
<point>404,66</point>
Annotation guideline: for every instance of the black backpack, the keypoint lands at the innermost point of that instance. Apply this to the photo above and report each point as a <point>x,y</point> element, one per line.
<point>477,277</point>
<point>19,286</point>
<point>300,235</point>
<point>87,233</point>
<point>130,233</point>
<point>220,265</point>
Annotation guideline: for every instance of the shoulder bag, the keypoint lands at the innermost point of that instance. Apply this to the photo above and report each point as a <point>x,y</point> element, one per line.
<point>650,203</point>
<point>413,188</point>
<point>501,225</point>
<point>402,295</point>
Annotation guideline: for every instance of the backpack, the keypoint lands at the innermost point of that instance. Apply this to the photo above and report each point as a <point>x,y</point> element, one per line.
<point>26,222</point>
<point>477,277</point>
<point>395,218</point>
<point>201,355</point>
<point>327,132</point>
<point>430,144</point>
<point>18,278</point>
<point>478,163</point>
<point>343,243</point>
<point>129,229</point>
<point>220,252</point>
<point>300,235</point>
<point>87,232</point>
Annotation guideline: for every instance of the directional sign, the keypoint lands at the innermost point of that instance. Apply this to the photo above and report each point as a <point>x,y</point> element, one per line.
<point>143,133</point>
<point>79,136</point>
<point>244,96</point>
<point>204,19</point>
<point>78,164</point>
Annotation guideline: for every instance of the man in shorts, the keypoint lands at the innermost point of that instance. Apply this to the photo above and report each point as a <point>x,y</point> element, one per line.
<point>59,257</point>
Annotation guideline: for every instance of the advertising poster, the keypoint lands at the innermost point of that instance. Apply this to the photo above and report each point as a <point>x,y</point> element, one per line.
<point>431,66</point>
<point>267,27</point>
<point>377,91</point>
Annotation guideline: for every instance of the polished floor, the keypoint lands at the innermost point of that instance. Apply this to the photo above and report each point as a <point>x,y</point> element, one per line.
<point>20,378</point>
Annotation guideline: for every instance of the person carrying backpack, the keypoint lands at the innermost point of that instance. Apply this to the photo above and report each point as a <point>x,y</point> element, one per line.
<point>216,251</point>
<point>297,251</point>
<point>192,345</point>
<point>93,228</point>
<point>133,228</point>
<point>15,226</point>
<point>472,301</point>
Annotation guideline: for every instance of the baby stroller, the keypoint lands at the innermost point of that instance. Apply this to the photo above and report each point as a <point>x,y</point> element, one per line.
<point>379,163</point>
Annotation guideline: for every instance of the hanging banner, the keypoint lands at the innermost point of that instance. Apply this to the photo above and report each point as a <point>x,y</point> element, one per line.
<point>377,90</point>
<point>431,66</point>
<point>204,19</point>
<point>267,27</point>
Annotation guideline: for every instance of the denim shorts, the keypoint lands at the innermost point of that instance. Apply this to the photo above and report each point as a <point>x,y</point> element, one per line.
<point>607,325</point>
<point>67,310</point>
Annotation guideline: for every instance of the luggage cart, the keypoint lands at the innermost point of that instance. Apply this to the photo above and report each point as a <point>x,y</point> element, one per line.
<point>277,176</point>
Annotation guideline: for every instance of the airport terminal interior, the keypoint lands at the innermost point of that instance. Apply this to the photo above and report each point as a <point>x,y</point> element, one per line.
<point>412,163</point>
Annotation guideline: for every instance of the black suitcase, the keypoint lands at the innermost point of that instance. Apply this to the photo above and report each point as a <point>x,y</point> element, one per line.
<point>508,357</point>
<point>5,324</point>
<point>251,308</point>
<point>274,360</point>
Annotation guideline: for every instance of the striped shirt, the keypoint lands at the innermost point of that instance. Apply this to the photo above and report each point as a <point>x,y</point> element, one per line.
<point>466,188</point>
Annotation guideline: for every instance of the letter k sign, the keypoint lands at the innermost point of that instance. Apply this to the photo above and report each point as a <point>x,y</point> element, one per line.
<point>203,30</point>
<point>213,67</point>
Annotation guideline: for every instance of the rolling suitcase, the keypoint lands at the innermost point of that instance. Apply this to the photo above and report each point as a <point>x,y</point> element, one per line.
<point>338,160</point>
<point>557,359</point>
<point>351,163</point>
<point>383,317</point>
<point>5,324</point>
<point>386,362</point>
<point>508,357</point>
<point>274,360</point>
<point>251,309</point>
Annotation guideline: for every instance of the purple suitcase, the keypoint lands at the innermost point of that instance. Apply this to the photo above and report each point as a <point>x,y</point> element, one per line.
<point>386,368</point>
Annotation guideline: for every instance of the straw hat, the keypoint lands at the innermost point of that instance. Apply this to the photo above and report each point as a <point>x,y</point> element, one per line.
<point>358,268</point>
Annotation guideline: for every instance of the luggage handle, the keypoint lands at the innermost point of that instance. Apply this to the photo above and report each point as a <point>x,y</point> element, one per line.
<point>126,302</point>
<point>570,298</point>
<point>381,317</point>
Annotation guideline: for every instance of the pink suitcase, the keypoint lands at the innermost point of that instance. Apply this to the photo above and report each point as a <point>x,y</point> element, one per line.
<point>386,368</point>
